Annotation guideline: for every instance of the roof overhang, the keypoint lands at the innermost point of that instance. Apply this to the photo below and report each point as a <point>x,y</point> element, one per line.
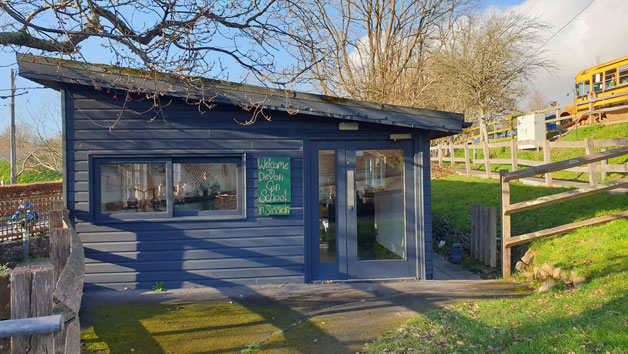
<point>58,73</point>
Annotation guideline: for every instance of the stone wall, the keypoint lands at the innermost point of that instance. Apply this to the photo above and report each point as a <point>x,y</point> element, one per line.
<point>11,252</point>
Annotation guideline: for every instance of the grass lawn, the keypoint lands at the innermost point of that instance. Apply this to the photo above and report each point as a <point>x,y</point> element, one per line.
<point>589,318</point>
<point>28,177</point>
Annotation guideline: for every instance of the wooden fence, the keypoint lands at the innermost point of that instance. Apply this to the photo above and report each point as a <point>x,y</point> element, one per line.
<point>38,291</point>
<point>508,126</point>
<point>27,214</point>
<point>484,234</point>
<point>508,241</point>
<point>446,153</point>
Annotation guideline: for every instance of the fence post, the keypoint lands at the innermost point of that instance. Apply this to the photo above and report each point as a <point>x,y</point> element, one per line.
<point>31,296</point>
<point>484,234</point>
<point>602,171</point>
<point>506,258</point>
<point>440,155</point>
<point>513,154</point>
<point>59,250</point>
<point>451,152</point>
<point>487,159</point>
<point>56,215</point>
<point>467,163</point>
<point>547,158</point>
<point>590,148</point>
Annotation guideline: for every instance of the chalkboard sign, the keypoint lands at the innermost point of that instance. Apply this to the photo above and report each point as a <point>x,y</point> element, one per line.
<point>273,186</point>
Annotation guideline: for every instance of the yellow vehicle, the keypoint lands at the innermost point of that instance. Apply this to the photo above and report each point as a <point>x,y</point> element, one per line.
<point>603,86</point>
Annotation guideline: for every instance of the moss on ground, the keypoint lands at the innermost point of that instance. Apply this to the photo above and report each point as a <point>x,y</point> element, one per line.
<point>180,327</point>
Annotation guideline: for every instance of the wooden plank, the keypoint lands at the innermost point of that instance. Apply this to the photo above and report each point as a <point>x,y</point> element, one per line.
<point>547,158</point>
<point>590,149</point>
<point>451,152</point>
<point>506,230</point>
<point>467,162</point>
<point>440,155</point>
<point>561,165</point>
<point>513,154</point>
<point>603,172</point>
<point>487,159</point>
<point>500,144</point>
<point>59,250</point>
<point>611,142</point>
<point>614,168</point>
<point>525,238</point>
<point>565,196</point>
<point>492,241</point>
<point>567,144</point>
<point>31,296</point>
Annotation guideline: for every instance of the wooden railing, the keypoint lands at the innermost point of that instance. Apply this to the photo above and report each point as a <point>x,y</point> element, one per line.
<point>38,291</point>
<point>27,214</point>
<point>445,153</point>
<point>509,124</point>
<point>508,241</point>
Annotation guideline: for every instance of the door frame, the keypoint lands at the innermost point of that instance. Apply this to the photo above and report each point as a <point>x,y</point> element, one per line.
<point>413,199</point>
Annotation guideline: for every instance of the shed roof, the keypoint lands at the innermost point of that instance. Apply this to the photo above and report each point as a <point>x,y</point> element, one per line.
<point>56,73</point>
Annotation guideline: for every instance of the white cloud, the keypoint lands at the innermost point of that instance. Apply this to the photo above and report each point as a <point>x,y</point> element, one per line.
<point>598,33</point>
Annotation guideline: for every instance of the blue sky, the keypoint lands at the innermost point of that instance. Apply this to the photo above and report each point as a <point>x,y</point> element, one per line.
<point>578,46</point>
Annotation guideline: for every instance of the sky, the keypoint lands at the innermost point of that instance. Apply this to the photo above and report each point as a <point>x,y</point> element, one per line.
<point>596,35</point>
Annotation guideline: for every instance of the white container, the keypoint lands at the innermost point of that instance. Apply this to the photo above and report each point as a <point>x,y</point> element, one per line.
<point>531,127</point>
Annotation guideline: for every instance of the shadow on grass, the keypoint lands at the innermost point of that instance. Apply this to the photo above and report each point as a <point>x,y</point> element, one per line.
<point>543,327</point>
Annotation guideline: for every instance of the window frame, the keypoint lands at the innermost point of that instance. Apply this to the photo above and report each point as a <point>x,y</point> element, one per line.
<point>96,161</point>
<point>622,70</point>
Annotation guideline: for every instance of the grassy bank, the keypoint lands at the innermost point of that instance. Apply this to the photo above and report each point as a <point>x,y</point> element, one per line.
<point>596,132</point>
<point>590,318</point>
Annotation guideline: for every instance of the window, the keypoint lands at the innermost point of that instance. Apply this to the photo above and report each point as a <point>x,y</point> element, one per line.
<point>169,187</point>
<point>597,82</point>
<point>133,187</point>
<point>582,88</point>
<point>610,79</point>
<point>205,187</point>
<point>623,75</point>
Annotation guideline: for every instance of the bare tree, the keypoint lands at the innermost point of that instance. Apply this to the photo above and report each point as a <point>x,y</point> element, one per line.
<point>185,37</point>
<point>376,50</point>
<point>537,101</point>
<point>487,62</point>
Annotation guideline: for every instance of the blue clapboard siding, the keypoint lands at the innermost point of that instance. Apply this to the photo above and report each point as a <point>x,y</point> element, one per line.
<point>188,251</point>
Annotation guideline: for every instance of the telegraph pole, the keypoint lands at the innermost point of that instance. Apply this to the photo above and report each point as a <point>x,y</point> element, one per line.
<point>12,106</point>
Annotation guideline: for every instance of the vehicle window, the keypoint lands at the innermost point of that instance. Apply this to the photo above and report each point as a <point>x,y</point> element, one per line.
<point>610,79</point>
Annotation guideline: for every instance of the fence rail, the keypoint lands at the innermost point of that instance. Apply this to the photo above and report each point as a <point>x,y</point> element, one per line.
<point>445,153</point>
<point>27,214</point>
<point>508,241</point>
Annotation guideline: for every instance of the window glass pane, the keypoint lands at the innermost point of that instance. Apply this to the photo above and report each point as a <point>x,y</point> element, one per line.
<point>205,186</point>
<point>132,188</point>
<point>609,79</point>
<point>623,75</point>
<point>583,88</point>
<point>379,186</point>
<point>597,82</point>
<point>327,205</point>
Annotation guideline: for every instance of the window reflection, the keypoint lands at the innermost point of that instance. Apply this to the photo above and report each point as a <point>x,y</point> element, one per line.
<point>380,204</point>
<point>327,204</point>
<point>130,188</point>
<point>205,186</point>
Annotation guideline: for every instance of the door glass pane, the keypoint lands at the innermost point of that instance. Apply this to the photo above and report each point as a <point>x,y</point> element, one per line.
<point>379,189</point>
<point>327,205</point>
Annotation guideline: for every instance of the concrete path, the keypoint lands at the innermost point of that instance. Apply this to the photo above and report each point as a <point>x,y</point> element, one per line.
<point>331,318</point>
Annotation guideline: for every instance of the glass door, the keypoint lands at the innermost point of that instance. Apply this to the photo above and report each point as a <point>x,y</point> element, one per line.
<point>364,195</point>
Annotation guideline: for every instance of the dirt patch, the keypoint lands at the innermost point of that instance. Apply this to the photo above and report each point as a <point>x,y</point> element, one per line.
<point>440,172</point>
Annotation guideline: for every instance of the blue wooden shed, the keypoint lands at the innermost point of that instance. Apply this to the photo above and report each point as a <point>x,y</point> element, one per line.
<point>179,188</point>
